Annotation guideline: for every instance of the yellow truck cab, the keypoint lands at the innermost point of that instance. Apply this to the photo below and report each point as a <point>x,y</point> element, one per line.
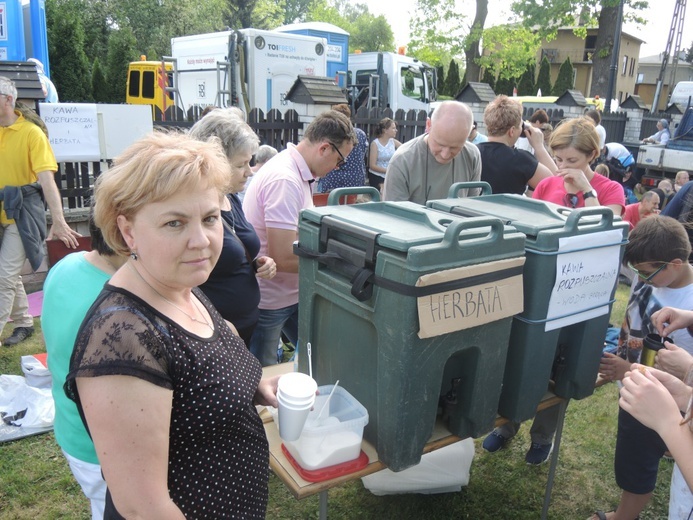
<point>146,85</point>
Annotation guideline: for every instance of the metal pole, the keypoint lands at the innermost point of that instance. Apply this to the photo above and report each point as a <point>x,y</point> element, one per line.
<point>613,69</point>
<point>323,505</point>
<point>563,405</point>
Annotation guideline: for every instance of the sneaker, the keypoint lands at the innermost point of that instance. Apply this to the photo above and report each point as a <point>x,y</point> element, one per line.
<point>18,335</point>
<point>538,453</point>
<point>493,442</point>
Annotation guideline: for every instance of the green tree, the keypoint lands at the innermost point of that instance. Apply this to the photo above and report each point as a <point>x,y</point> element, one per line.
<point>367,32</point>
<point>544,77</point>
<point>440,75</point>
<point>99,87</point>
<point>472,51</point>
<point>70,68</point>
<point>452,80</point>
<point>547,17</point>
<point>155,22</point>
<point>296,10</point>
<point>371,33</point>
<point>689,54</point>
<point>96,24</point>
<point>526,86</point>
<point>564,81</point>
<point>489,79</point>
<point>267,15</point>
<point>437,31</point>
<point>122,49</point>
<point>511,49</point>
<point>240,13</point>
<point>505,86</point>
<point>324,11</point>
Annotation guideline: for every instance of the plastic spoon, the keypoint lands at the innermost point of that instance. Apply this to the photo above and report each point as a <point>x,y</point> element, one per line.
<point>327,401</point>
<point>310,360</point>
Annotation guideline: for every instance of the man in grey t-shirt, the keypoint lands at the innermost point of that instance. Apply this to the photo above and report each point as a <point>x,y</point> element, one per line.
<point>424,168</point>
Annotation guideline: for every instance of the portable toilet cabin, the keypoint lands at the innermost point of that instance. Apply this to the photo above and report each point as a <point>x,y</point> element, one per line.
<point>12,47</point>
<point>337,45</point>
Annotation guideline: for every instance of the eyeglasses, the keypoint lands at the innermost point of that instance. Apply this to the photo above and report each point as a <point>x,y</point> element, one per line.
<point>571,200</point>
<point>342,160</point>
<point>647,278</point>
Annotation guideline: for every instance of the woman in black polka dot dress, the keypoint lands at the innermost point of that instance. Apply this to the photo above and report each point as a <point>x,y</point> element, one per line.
<point>163,383</point>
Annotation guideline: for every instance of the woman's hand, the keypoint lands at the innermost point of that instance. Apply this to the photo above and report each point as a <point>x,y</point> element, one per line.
<point>668,319</point>
<point>653,397</point>
<point>266,267</point>
<point>574,180</point>
<point>534,135</point>
<point>613,367</point>
<point>266,393</point>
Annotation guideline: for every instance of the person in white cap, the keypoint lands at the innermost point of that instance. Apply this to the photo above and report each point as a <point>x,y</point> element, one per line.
<point>662,136</point>
<point>49,89</point>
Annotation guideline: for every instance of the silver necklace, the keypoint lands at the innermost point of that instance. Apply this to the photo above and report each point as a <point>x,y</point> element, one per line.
<point>193,318</point>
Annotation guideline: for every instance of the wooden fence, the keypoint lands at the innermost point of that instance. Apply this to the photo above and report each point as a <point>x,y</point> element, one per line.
<point>615,125</point>
<point>410,123</point>
<point>75,180</point>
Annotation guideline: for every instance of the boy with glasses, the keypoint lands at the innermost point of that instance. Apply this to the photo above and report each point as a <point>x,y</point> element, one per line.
<point>657,252</point>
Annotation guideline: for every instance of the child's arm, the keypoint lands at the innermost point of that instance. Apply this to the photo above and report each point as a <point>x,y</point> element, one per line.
<point>656,399</point>
<point>613,367</point>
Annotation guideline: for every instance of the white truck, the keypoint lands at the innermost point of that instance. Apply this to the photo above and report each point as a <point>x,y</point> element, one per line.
<point>248,68</point>
<point>388,79</point>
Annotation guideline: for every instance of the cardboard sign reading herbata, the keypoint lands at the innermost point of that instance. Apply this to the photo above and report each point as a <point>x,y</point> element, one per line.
<point>468,307</point>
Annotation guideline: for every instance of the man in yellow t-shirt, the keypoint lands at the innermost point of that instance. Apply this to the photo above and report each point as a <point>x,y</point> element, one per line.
<point>26,157</point>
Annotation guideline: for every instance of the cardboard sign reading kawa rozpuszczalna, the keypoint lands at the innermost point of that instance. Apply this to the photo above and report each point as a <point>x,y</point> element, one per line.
<point>467,307</point>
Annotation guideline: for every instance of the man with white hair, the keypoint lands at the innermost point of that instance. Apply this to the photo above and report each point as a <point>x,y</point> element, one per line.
<point>49,89</point>
<point>425,167</point>
<point>27,170</point>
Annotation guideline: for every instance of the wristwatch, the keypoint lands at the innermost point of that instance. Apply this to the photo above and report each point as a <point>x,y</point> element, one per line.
<point>589,194</point>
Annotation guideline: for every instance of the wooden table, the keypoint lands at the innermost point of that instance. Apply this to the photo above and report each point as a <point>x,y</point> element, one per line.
<point>441,437</point>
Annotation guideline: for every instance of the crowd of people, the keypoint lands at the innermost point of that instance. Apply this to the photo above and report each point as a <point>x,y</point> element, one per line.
<point>192,282</point>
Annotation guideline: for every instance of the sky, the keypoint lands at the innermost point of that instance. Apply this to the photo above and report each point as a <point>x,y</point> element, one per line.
<point>655,33</point>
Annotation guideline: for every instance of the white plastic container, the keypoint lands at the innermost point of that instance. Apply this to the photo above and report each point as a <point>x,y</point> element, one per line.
<point>336,437</point>
<point>36,372</point>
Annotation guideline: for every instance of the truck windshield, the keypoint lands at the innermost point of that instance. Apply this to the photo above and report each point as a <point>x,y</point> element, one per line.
<point>413,83</point>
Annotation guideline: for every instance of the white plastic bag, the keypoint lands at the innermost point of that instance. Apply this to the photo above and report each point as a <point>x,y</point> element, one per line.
<point>24,405</point>
<point>442,471</point>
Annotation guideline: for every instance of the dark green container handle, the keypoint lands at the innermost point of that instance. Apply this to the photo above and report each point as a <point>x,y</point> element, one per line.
<point>606,222</point>
<point>455,188</point>
<point>452,233</point>
<point>336,194</point>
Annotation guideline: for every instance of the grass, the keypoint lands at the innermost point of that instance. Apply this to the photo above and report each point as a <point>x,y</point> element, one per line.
<point>36,483</point>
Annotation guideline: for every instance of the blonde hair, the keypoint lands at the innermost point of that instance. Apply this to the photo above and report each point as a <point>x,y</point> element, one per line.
<point>578,133</point>
<point>602,169</point>
<point>154,169</point>
<point>502,114</point>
